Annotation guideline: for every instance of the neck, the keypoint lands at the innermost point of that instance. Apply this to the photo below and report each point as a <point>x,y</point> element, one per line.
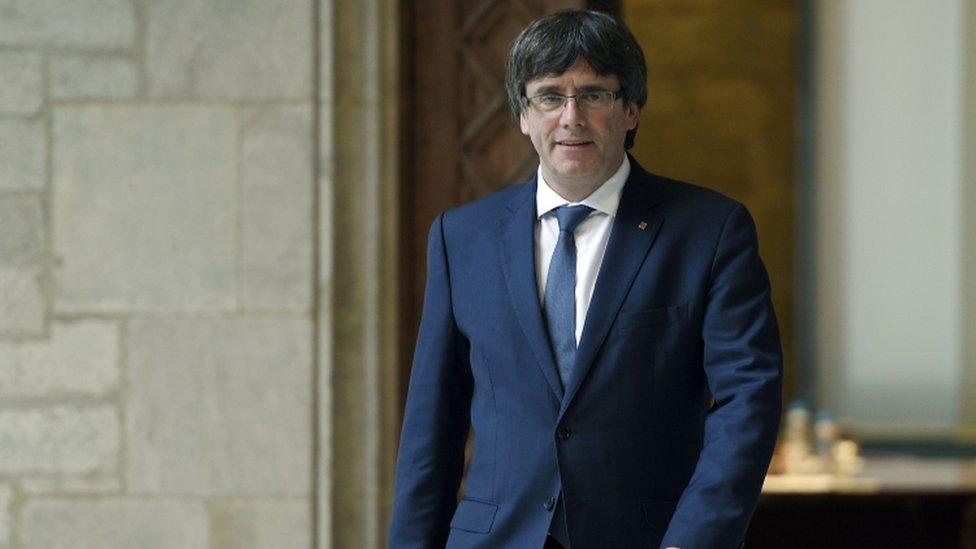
<point>575,193</point>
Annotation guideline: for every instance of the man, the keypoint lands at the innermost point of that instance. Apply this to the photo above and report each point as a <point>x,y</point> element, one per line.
<point>605,333</point>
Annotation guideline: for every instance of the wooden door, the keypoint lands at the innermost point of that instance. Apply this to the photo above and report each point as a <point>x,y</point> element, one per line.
<point>460,141</point>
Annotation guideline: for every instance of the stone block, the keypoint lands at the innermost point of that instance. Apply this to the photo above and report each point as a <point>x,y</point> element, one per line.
<point>21,231</point>
<point>229,49</point>
<point>6,524</point>
<point>20,73</point>
<point>71,484</point>
<point>59,439</point>
<point>144,208</point>
<point>113,523</point>
<point>87,77</point>
<point>261,524</point>
<point>22,156</point>
<point>22,307</point>
<point>276,243</point>
<point>79,23</point>
<point>219,406</point>
<point>80,357</point>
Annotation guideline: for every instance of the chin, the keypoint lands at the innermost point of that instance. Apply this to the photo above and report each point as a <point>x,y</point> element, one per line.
<point>580,179</point>
<point>571,170</point>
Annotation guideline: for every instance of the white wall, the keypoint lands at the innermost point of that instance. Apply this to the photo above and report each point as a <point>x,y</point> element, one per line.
<point>888,231</point>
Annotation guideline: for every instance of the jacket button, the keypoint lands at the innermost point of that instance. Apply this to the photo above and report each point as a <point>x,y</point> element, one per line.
<point>549,504</point>
<point>563,433</point>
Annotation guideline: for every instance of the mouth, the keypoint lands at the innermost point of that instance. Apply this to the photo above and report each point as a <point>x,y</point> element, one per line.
<point>573,143</point>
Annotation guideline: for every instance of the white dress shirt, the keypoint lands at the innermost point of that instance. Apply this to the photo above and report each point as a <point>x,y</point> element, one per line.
<point>591,235</point>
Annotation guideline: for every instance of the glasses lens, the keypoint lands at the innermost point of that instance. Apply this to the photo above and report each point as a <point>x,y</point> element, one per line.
<point>549,102</point>
<point>599,101</point>
<point>594,101</point>
<point>589,101</point>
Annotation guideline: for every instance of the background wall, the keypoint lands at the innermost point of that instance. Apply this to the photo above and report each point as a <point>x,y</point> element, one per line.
<point>873,270</point>
<point>198,228</point>
<point>889,215</point>
<point>968,389</point>
<point>156,177</point>
<point>721,108</point>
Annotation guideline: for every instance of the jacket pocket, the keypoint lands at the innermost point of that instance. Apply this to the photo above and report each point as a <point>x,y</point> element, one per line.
<point>651,317</point>
<point>474,516</point>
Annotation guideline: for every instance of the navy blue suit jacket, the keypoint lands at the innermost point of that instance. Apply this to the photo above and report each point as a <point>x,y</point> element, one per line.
<point>665,433</point>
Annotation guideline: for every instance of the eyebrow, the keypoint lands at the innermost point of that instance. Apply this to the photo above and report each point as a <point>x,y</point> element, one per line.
<point>558,90</point>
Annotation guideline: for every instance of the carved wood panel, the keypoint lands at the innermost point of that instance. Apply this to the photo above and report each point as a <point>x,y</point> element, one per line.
<point>459,139</point>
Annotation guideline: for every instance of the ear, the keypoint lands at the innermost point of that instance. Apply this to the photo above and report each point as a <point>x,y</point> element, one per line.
<point>632,115</point>
<point>524,123</point>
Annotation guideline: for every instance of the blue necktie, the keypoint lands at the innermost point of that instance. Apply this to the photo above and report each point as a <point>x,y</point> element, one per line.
<point>560,298</point>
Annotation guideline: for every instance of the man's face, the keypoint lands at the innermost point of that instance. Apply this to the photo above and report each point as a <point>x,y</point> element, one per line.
<point>578,149</point>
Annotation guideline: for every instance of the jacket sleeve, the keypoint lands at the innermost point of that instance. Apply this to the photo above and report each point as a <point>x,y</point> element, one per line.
<point>742,360</point>
<point>436,419</point>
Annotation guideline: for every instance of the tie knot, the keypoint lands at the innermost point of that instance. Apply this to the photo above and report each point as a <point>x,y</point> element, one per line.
<point>571,216</point>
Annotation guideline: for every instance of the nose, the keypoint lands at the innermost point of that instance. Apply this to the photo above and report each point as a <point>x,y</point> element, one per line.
<point>571,115</point>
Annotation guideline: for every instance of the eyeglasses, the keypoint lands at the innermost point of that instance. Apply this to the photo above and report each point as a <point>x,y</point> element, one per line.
<point>594,101</point>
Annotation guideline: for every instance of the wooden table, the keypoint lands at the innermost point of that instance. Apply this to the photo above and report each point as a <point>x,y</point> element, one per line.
<point>892,503</point>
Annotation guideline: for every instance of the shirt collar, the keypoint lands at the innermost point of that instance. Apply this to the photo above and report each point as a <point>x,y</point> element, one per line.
<point>604,199</point>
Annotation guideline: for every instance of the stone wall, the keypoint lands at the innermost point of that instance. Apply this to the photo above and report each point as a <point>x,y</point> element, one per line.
<point>156,267</point>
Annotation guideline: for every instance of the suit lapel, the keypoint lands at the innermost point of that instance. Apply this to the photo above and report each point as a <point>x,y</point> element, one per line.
<point>634,230</point>
<point>518,264</point>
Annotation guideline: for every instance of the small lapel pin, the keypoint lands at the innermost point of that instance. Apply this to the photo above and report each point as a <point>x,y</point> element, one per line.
<point>642,225</point>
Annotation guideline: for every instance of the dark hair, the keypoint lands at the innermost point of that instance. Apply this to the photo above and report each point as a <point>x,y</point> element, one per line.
<point>553,43</point>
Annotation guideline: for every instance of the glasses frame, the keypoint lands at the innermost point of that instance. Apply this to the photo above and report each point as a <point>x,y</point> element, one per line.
<point>581,106</point>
